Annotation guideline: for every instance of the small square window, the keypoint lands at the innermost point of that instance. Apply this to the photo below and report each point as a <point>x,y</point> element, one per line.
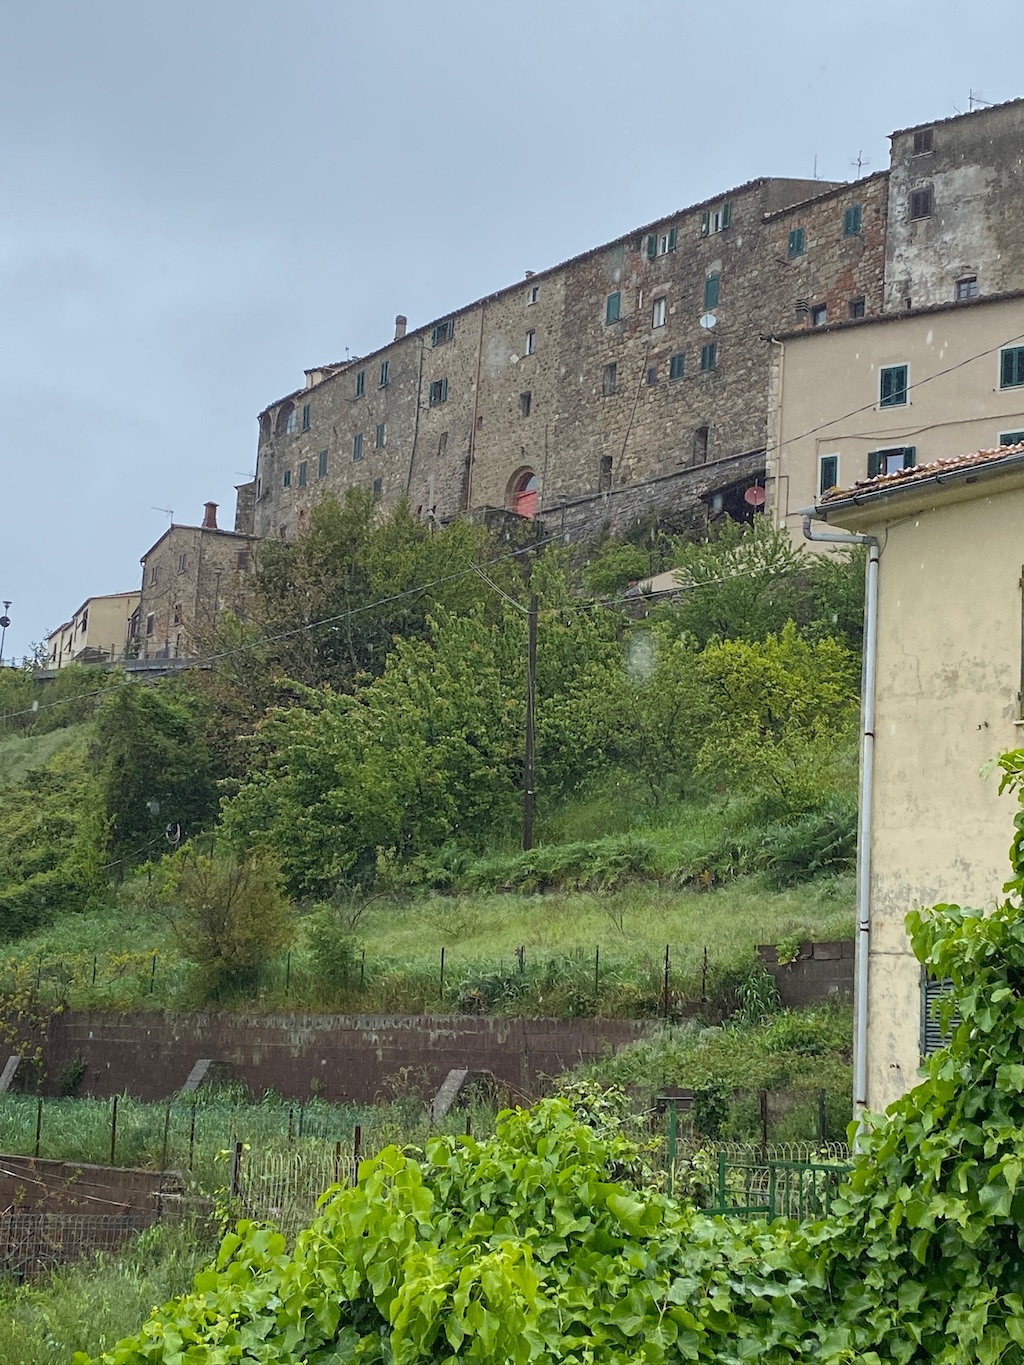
<point>286,479</point>
<point>531,342</point>
<point>716,220</point>
<point>305,417</point>
<point>711,290</point>
<point>182,563</point>
<point>378,488</point>
<point>856,308</point>
<point>923,141</point>
<point>357,447</point>
<point>442,332</point>
<point>611,378</point>
<point>921,203</point>
<point>658,312</point>
<point>612,307</point>
<point>675,366</point>
<point>851,221</point>
<point>533,294</point>
<point>525,404</point>
<point>1011,367</point>
<point>819,315</point>
<point>709,356</point>
<point>382,436</point>
<point>303,474</point>
<point>828,472</point>
<point>383,374</point>
<point>438,392</point>
<point>967,288</point>
<point>1011,438</point>
<point>796,243</point>
<point>652,375</point>
<point>322,464</point>
<point>360,383</point>
<point>660,243</point>
<point>891,461</point>
<point>892,386</point>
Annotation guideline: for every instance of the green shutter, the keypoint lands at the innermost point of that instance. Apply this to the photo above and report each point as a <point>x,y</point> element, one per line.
<point>711,291</point>
<point>851,221</point>
<point>829,473</point>
<point>652,246</point>
<point>305,417</point>
<point>909,457</point>
<point>671,239</point>
<point>705,224</point>
<point>727,214</point>
<point>874,463</point>
<point>612,306</point>
<point>444,390</point>
<point>933,1035</point>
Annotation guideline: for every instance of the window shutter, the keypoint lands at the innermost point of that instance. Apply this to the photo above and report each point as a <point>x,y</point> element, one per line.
<point>726,214</point>
<point>909,457</point>
<point>1006,377</point>
<point>652,246</point>
<point>444,389</point>
<point>932,994</point>
<point>671,239</point>
<point>874,463</point>
<point>711,291</point>
<point>705,224</point>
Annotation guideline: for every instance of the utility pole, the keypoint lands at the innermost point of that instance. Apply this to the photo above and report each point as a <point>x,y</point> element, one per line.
<point>531,704</point>
<point>5,621</point>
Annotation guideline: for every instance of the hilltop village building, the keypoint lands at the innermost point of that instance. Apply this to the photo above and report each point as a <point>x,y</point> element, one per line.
<point>96,634</point>
<point>633,381</point>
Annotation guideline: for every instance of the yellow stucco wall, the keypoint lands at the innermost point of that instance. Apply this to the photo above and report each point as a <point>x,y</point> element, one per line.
<point>948,677</point>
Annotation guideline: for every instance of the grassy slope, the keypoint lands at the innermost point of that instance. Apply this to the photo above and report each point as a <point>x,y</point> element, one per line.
<point>20,753</point>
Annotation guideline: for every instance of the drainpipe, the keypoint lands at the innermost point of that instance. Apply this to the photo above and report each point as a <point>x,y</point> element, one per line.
<point>867,759</point>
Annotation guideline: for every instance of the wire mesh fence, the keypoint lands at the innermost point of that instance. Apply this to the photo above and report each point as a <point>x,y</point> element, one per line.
<point>31,1243</point>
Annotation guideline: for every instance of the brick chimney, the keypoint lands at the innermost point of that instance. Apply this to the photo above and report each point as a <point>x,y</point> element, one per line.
<point>210,516</point>
<point>401,323</point>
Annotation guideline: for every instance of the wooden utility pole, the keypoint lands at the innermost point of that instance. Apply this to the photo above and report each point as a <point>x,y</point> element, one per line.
<point>531,704</point>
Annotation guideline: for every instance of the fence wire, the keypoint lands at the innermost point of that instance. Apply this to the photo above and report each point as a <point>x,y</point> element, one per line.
<point>31,1243</point>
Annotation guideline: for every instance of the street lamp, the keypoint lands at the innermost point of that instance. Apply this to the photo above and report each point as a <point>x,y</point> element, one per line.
<point>5,621</point>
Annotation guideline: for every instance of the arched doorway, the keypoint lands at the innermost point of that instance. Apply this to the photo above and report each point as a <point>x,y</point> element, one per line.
<point>522,493</point>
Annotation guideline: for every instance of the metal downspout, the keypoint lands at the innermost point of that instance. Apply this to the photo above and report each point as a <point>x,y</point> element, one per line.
<point>864,815</point>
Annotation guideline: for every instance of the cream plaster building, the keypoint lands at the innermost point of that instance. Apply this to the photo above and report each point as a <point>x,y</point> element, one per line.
<point>948,693</point>
<point>96,634</point>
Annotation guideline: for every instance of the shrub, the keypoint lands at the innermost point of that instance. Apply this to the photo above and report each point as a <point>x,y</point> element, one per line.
<point>333,947</point>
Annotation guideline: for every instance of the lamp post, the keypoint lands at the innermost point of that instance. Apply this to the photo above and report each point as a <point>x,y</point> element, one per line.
<point>5,621</point>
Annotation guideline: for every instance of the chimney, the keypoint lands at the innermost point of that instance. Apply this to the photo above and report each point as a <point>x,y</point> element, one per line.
<point>210,516</point>
<point>401,323</point>
<point>530,274</point>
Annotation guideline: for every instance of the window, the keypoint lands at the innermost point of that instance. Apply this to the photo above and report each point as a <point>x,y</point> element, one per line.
<point>652,376</point>
<point>611,378</point>
<point>892,390</point>
<point>923,141</point>
<point>360,383</point>
<point>305,416</point>
<point>182,562</point>
<point>150,623</point>
<point>796,243</point>
<point>921,203</point>
<point>709,356</point>
<point>83,623</point>
<point>819,315</point>
<point>604,474</point>
<point>533,293</point>
<point>179,614</point>
<point>442,332</point>
<point>856,308</point>
<point>967,288</point>
<point>438,392</point>
<point>699,454</point>
<point>154,573</point>
<point>259,489</point>
<point>675,366</point>
<point>383,374</point>
<point>286,419</point>
<point>265,427</point>
<point>382,436</point>
<point>378,487</point>
<point>711,288</point>
<point>612,307</point>
<point>286,479</point>
<point>303,474</point>
<point>322,464</point>
<point>1011,438</point>
<point>658,312</point>
<point>716,220</point>
<point>1011,367</point>
<point>891,460</point>
<point>242,561</point>
<point>531,343</point>
<point>442,443</point>
<point>828,472</point>
<point>660,243</point>
<point>525,404</point>
<point>357,447</point>
<point>851,221</point>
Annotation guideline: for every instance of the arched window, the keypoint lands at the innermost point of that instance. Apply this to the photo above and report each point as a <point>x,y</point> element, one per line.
<point>286,421</point>
<point>265,427</point>
<point>522,493</point>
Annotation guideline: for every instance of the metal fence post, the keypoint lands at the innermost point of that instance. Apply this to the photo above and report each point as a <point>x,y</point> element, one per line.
<point>673,1131</point>
<point>113,1130</point>
<point>39,1125</point>
<point>236,1169</point>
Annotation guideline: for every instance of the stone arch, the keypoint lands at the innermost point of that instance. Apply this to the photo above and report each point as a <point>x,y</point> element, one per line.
<point>265,427</point>
<point>285,419</point>
<point>521,493</point>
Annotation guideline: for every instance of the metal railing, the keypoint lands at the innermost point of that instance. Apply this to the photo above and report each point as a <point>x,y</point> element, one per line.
<point>756,1186</point>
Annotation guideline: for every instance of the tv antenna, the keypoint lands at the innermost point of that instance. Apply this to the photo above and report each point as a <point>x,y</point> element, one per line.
<point>974,97</point>
<point>860,161</point>
<point>168,510</point>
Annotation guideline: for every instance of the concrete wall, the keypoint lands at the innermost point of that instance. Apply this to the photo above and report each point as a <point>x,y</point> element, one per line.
<point>948,701</point>
<point>822,971</point>
<point>337,1057</point>
<point>826,399</point>
<point>33,1185</point>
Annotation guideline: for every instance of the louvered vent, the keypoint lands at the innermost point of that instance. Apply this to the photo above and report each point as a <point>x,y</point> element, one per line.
<point>932,1036</point>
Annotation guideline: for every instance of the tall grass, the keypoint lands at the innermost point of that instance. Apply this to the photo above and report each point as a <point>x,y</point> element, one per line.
<point>19,754</point>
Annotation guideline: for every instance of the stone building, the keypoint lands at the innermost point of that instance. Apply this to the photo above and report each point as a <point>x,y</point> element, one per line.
<point>633,379</point>
<point>188,577</point>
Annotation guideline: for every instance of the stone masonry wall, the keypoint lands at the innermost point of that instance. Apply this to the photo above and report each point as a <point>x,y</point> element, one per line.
<point>188,577</point>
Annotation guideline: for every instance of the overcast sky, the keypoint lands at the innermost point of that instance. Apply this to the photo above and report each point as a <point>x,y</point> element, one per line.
<point>202,199</point>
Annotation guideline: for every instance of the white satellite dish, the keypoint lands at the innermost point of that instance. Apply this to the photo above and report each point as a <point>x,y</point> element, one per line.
<point>708,321</point>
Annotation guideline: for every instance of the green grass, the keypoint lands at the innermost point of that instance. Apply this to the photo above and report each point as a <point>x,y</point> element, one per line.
<point>19,754</point>
<point>91,1305</point>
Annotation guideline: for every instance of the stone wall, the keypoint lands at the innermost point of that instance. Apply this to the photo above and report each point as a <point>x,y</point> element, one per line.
<point>189,576</point>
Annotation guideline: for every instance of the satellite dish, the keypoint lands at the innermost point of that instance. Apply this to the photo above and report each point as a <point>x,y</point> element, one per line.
<point>707,321</point>
<point>755,497</point>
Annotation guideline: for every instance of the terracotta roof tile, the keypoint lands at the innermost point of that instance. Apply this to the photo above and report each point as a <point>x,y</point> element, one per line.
<point>920,472</point>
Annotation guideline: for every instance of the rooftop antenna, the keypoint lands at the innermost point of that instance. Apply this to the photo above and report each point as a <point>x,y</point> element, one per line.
<point>860,161</point>
<point>815,166</point>
<point>168,510</point>
<point>974,97</point>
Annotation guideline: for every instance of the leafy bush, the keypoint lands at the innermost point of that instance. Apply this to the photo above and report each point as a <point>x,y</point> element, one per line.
<point>819,841</point>
<point>333,948</point>
<point>594,865</point>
